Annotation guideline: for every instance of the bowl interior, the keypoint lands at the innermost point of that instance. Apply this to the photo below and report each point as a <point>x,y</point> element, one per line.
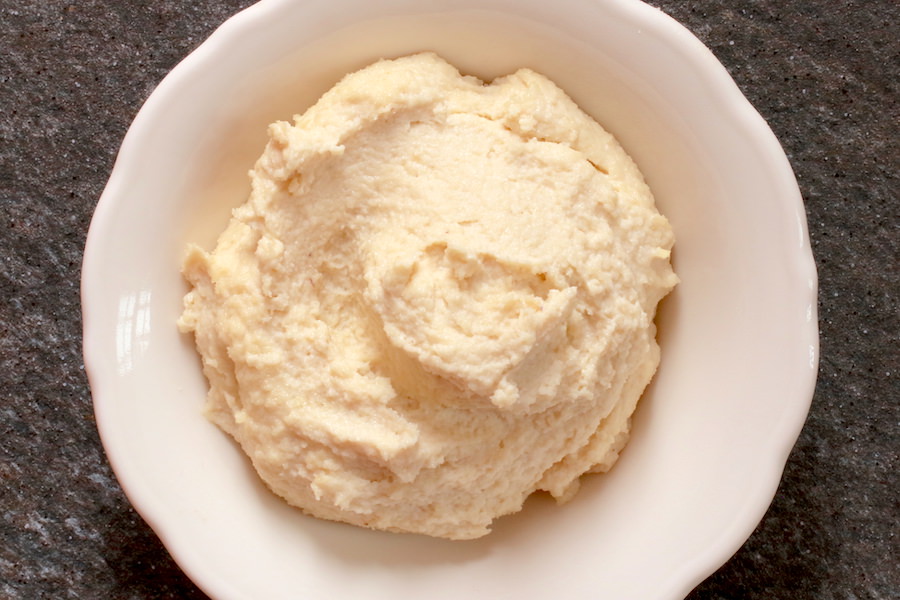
<point>738,346</point>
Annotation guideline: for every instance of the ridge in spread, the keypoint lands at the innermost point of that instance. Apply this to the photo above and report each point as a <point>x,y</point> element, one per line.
<point>438,299</point>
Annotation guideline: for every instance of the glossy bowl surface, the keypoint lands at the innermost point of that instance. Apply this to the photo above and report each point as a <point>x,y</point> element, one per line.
<point>739,335</point>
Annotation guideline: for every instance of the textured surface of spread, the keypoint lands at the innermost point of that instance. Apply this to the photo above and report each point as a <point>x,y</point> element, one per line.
<point>438,299</point>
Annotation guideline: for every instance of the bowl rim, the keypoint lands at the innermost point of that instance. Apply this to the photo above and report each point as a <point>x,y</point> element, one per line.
<point>692,570</point>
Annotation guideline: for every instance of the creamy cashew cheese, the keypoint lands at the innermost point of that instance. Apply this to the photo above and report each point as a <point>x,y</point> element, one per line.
<point>438,299</point>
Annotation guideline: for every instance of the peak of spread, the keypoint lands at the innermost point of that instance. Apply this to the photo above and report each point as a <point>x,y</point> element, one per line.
<point>438,299</point>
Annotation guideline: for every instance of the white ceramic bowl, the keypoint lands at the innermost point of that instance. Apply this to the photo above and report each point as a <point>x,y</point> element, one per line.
<point>739,337</point>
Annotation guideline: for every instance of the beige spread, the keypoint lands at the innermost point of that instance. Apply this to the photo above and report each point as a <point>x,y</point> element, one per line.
<point>438,299</point>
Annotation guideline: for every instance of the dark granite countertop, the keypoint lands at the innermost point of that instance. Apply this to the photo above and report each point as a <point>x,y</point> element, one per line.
<point>825,75</point>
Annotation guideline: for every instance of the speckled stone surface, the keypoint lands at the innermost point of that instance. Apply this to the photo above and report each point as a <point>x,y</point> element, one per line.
<point>825,75</point>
